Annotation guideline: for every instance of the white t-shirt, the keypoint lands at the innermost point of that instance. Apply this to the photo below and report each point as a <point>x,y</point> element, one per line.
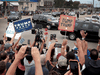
<point>27,65</point>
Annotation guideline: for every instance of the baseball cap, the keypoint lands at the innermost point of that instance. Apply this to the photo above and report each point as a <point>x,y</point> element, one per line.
<point>62,61</point>
<point>7,45</point>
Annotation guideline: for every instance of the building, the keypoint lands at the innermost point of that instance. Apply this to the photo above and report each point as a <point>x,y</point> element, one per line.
<point>85,7</point>
<point>21,5</point>
<point>27,5</point>
<point>47,4</point>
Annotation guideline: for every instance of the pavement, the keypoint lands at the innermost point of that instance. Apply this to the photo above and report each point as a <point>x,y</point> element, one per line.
<point>27,34</point>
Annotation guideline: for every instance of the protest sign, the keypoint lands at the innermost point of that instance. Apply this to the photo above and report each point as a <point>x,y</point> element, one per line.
<point>10,31</point>
<point>66,23</point>
<point>22,25</point>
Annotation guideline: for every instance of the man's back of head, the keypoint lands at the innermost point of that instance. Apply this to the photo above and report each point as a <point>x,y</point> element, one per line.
<point>70,55</point>
<point>2,68</point>
<point>94,54</point>
<point>3,55</point>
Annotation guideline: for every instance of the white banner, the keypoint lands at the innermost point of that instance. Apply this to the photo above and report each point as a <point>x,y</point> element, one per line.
<point>10,32</point>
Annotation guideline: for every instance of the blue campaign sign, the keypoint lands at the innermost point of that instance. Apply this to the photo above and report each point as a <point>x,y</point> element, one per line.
<point>22,25</point>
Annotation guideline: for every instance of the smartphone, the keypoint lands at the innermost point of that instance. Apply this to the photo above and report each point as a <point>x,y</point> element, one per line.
<point>52,36</point>
<point>28,51</point>
<point>44,45</point>
<point>74,67</point>
<point>58,45</point>
<point>28,42</point>
<point>8,39</point>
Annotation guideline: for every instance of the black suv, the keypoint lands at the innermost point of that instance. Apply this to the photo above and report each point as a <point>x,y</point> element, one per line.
<point>45,20</point>
<point>91,28</point>
<point>14,16</point>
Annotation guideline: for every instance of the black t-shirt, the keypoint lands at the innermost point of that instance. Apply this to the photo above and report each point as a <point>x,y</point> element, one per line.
<point>92,67</point>
<point>18,71</point>
<point>50,67</point>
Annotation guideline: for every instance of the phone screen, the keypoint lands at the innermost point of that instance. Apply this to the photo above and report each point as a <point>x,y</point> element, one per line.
<point>58,45</point>
<point>74,67</point>
<point>28,42</point>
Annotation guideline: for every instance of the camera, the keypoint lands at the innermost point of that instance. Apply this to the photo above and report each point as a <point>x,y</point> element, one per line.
<point>1,42</point>
<point>52,36</point>
<point>39,36</point>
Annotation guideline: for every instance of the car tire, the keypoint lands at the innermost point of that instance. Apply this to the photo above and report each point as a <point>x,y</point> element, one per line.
<point>48,27</point>
<point>72,36</point>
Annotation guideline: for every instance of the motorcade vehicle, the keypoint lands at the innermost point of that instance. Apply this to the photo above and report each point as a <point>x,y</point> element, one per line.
<point>14,16</point>
<point>93,30</point>
<point>45,20</point>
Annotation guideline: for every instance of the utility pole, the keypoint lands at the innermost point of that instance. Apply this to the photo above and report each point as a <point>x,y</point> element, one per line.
<point>93,5</point>
<point>4,5</point>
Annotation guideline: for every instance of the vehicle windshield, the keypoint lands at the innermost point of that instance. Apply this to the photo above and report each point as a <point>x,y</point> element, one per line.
<point>52,18</point>
<point>13,13</point>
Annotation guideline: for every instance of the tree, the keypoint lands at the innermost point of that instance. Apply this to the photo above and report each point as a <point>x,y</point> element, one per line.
<point>59,3</point>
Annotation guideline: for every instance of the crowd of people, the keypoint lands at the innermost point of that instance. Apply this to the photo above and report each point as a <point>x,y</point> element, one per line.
<point>36,59</point>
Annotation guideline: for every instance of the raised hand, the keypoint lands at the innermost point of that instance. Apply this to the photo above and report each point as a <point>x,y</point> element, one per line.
<point>82,32</point>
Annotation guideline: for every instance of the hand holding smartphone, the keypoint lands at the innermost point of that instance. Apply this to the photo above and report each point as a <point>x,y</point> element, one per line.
<point>28,42</point>
<point>74,67</point>
<point>58,45</point>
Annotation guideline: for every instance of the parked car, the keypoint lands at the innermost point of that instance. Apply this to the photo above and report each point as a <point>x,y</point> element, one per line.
<point>14,16</point>
<point>97,12</point>
<point>55,14</point>
<point>93,18</point>
<point>82,13</point>
<point>91,28</point>
<point>45,20</point>
<point>93,12</point>
<point>71,14</point>
<point>88,13</point>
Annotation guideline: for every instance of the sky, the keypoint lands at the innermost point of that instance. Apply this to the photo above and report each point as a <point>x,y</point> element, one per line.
<point>96,2</point>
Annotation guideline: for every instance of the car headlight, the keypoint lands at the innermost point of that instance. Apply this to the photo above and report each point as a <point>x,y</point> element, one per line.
<point>53,23</point>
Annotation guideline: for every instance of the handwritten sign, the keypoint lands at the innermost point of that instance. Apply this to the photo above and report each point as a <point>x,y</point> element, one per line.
<point>22,25</point>
<point>67,23</point>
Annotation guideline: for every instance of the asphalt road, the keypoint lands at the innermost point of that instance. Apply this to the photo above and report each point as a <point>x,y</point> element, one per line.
<point>27,34</point>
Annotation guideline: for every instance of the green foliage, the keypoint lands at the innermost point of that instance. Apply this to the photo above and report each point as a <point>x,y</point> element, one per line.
<point>66,4</point>
<point>59,3</point>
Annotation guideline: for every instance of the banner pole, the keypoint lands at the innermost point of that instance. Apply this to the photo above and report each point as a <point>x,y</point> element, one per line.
<point>65,34</point>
